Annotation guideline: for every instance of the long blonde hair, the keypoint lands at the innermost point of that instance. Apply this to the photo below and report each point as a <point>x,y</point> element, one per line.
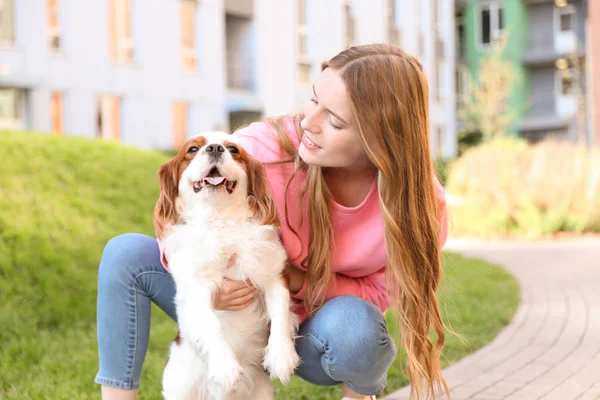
<point>389,98</point>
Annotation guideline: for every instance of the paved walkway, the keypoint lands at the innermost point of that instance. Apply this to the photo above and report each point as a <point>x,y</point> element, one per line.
<point>551,349</point>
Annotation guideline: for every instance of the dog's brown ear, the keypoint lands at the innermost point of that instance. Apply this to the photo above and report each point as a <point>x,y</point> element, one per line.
<point>165,212</point>
<point>259,196</point>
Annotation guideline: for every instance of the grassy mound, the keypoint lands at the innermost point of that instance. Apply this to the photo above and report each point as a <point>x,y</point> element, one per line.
<point>61,200</point>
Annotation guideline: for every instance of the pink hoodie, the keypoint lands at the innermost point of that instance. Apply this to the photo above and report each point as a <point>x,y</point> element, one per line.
<point>358,256</point>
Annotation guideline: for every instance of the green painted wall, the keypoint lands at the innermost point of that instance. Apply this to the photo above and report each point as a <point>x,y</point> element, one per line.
<point>516,26</point>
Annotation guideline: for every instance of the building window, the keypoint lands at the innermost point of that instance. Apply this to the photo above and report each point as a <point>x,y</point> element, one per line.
<point>565,19</point>
<point>439,80</point>
<point>302,29</point>
<point>439,51</point>
<point>460,37</point>
<point>350,24</point>
<point>187,9</point>
<point>53,24</point>
<point>7,22</point>
<point>393,31</point>
<point>56,112</point>
<point>565,39</point>
<point>304,66</point>
<point>491,23</point>
<point>566,22</point>
<point>108,118</point>
<point>304,73</point>
<point>180,125</point>
<point>11,108</point>
<point>438,15</point>
<point>121,40</point>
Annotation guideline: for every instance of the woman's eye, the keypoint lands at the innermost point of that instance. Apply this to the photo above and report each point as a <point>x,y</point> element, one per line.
<point>312,100</point>
<point>233,150</point>
<point>334,126</point>
<point>193,149</point>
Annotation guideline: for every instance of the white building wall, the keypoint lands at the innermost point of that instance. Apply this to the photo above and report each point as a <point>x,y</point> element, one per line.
<point>370,21</point>
<point>276,55</point>
<point>326,26</point>
<point>447,109</point>
<point>150,86</point>
<point>82,70</point>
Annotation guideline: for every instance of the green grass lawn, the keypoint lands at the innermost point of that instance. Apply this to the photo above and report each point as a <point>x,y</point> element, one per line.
<point>62,199</point>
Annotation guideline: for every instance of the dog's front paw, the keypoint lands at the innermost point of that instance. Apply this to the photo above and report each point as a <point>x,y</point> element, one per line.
<point>224,369</point>
<point>281,360</point>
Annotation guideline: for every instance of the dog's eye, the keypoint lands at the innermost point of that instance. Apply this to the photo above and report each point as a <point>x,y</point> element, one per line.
<point>233,150</point>
<point>193,149</point>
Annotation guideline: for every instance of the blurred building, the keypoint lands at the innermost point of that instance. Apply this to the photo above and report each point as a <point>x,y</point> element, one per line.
<point>548,43</point>
<point>426,29</point>
<point>141,73</point>
<point>151,74</point>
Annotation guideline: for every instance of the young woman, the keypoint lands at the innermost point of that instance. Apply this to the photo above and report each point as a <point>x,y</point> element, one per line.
<point>363,220</point>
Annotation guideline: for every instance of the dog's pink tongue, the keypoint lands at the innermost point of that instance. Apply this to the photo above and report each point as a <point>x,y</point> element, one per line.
<point>211,180</point>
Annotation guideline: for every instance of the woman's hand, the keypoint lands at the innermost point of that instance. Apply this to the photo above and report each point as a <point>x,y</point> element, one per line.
<point>234,295</point>
<point>295,277</point>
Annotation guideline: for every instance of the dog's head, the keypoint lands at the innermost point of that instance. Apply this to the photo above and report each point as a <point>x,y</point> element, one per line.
<point>211,170</point>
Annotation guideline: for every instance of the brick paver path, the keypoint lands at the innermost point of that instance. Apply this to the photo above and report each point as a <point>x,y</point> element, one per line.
<point>551,349</point>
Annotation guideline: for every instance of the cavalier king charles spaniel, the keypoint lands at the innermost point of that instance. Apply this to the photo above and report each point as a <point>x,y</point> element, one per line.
<point>216,220</point>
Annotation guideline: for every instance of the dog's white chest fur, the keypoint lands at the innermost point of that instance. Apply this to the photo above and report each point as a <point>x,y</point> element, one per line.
<point>223,354</point>
<point>204,244</point>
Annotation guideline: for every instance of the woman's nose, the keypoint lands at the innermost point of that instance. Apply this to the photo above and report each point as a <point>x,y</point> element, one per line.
<point>309,122</point>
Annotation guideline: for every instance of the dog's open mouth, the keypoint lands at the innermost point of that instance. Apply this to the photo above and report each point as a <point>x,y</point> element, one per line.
<point>214,180</point>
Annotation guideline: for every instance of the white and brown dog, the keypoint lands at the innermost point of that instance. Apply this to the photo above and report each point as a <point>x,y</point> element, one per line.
<point>215,207</point>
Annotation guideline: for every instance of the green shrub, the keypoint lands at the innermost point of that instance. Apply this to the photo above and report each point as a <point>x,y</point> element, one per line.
<point>509,187</point>
<point>467,140</point>
<point>441,167</point>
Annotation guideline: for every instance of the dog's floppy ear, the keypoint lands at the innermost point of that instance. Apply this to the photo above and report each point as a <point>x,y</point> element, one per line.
<point>259,196</point>
<point>165,212</point>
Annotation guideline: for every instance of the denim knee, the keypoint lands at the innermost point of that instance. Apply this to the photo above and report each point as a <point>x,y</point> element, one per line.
<point>360,326</point>
<point>121,256</point>
<point>360,350</point>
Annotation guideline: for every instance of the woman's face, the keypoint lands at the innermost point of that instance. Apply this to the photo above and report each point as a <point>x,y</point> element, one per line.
<point>331,138</point>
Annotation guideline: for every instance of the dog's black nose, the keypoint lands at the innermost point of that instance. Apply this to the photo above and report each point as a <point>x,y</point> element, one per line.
<point>215,148</point>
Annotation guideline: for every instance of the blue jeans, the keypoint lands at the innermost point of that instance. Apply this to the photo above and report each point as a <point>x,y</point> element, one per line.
<point>346,341</point>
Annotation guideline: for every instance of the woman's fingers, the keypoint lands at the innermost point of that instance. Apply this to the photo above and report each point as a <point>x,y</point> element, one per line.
<point>231,292</point>
<point>234,294</point>
<point>242,292</point>
<point>242,299</point>
<point>239,307</point>
<point>233,286</point>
